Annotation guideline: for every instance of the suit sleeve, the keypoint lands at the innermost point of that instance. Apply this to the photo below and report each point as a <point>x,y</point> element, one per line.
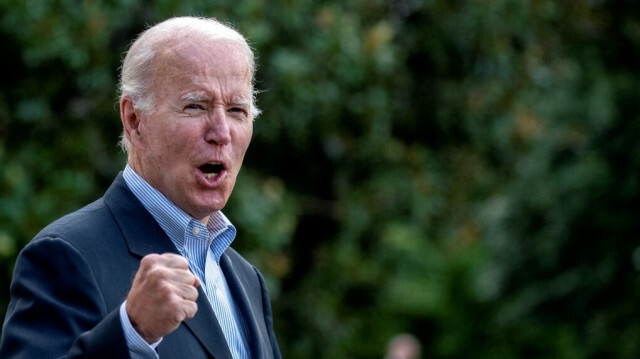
<point>57,309</point>
<point>268,317</point>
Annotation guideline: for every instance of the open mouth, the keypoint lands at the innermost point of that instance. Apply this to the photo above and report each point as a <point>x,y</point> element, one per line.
<point>211,169</point>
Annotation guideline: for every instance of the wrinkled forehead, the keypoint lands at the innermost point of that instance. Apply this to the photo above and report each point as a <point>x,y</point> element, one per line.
<point>201,60</point>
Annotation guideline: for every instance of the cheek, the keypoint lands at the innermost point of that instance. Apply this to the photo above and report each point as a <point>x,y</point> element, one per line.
<point>164,146</point>
<point>172,138</point>
<point>245,137</point>
<point>242,146</point>
<point>168,147</point>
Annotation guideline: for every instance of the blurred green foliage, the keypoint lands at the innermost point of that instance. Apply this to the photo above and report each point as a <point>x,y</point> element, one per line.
<point>464,170</point>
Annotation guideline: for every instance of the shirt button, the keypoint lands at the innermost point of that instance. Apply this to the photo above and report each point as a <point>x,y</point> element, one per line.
<point>195,231</point>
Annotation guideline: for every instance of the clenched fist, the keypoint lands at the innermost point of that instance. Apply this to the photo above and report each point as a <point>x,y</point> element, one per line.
<point>163,294</point>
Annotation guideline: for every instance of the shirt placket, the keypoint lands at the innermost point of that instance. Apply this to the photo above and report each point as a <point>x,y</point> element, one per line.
<point>204,265</point>
<point>195,248</point>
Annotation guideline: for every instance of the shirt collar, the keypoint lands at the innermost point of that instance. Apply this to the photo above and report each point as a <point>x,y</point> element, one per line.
<point>174,221</point>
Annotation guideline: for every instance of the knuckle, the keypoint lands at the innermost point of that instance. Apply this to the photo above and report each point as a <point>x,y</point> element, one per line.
<point>190,310</point>
<point>149,259</point>
<point>178,258</point>
<point>181,261</point>
<point>164,290</point>
<point>192,291</point>
<point>159,273</point>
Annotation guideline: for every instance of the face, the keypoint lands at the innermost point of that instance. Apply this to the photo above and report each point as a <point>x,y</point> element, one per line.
<point>192,145</point>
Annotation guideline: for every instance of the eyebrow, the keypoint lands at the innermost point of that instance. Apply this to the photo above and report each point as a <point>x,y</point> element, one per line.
<point>199,97</point>
<point>240,102</point>
<point>194,97</point>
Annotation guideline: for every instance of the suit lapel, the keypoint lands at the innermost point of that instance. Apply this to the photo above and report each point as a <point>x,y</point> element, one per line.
<point>206,328</point>
<point>144,236</point>
<point>238,280</point>
<point>140,230</point>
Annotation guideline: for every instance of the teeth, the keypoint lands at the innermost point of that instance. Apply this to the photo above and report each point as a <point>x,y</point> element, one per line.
<point>212,169</point>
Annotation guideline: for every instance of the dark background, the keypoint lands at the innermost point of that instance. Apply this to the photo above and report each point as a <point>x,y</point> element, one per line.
<point>467,171</point>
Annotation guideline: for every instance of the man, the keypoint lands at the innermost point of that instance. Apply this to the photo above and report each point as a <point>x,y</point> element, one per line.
<point>146,271</point>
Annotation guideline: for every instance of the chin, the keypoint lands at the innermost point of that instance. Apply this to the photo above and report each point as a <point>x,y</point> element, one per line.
<point>205,210</point>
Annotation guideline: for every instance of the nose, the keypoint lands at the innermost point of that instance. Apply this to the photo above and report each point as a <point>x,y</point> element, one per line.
<point>217,129</point>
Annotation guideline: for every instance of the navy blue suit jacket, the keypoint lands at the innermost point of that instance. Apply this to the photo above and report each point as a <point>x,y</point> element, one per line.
<point>71,279</point>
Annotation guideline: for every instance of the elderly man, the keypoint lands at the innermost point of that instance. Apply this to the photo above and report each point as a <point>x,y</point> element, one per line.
<point>146,271</point>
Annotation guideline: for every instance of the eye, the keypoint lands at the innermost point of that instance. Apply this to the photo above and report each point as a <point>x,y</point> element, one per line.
<point>193,106</point>
<point>238,111</point>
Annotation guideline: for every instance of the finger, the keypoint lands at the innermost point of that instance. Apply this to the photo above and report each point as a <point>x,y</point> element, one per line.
<point>170,260</point>
<point>176,276</point>
<point>187,292</point>
<point>190,309</point>
<point>173,260</point>
<point>184,277</point>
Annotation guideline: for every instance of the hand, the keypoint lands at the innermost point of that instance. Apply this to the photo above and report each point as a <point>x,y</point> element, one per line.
<point>163,294</point>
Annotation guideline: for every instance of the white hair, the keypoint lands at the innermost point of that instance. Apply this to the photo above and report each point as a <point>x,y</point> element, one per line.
<point>136,72</point>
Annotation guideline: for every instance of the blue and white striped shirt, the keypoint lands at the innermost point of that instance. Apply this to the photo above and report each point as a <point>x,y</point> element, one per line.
<point>202,246</point>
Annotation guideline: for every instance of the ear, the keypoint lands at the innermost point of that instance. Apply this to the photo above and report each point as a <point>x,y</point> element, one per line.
<point>130,121</point>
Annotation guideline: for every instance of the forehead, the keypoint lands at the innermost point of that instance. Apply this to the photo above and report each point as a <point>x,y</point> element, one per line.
<point>194,61</point>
